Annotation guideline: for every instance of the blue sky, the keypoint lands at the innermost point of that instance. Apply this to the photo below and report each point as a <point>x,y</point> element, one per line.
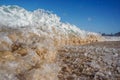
<point>91,15</point>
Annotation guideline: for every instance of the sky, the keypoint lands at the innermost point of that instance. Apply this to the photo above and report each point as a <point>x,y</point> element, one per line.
<point>91,15</point>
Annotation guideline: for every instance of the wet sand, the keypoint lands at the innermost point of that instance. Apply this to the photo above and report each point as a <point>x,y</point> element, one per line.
<point>95,61</point>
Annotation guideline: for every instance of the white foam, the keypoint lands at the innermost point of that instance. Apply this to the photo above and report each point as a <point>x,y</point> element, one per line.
<point>15,17</point>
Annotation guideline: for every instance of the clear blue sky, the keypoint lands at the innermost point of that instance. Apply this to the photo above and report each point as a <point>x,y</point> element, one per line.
<point>91,15</point>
